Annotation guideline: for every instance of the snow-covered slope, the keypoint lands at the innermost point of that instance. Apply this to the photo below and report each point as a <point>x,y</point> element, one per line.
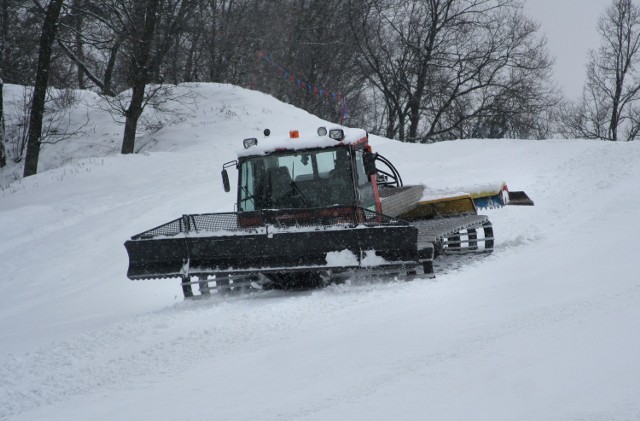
<point>545,328</point>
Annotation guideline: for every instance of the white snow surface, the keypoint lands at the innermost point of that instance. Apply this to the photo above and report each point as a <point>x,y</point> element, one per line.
<point>545,328</point>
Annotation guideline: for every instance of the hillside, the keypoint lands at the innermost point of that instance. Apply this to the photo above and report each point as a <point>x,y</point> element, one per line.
<point>544,328</point>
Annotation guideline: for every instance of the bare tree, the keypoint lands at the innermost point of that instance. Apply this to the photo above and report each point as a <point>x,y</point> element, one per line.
<point>20,24</point>
<point>91,37</point>
<point>147,50</point>
<point>142,29</point>
<point>226,40</point>
<point>608,108</point>
<point>47,38</point>
<point>311,44</point>
<point>18,132</point>
<point>3,153</point>
<point>4,28</point>
<point>57,122</point>
<point>453,68</point>
<point>77,25</point>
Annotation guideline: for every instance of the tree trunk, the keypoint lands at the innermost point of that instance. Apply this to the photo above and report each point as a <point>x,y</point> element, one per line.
<point>615,108</point>
<point>188,68</point>
<point>3,154</point>
<point>4,30</point>
<point>47,37</point>
<point>111,63</point>
<point>414,118</point>
<point>140,68</point>
<point>132,115</point>
<point>77,23</point>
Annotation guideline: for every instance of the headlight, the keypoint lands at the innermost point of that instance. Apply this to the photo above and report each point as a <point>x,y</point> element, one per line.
<point>247,143</point>
<point>336,134</point>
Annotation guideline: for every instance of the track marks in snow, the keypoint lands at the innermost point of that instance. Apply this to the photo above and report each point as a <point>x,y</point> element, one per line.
<point>168,341</point>
<point>440,362</point>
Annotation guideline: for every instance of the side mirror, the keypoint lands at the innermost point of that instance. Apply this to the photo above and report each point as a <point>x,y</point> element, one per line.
<point>370,163</point>
<point>225,181</point>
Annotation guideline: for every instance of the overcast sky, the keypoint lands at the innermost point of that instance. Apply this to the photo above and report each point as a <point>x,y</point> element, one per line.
<point>570,28</point>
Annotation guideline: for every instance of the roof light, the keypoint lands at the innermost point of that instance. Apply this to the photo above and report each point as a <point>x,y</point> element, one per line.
<point>336,134</point>
<point>247,143</point>
<point>322,131</point>
<point>294,134</point>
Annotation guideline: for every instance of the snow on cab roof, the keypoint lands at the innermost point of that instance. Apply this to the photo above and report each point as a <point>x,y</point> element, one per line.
<point>305,141</point>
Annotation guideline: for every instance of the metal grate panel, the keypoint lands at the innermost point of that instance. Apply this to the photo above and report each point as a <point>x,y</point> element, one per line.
<point>250,221</point>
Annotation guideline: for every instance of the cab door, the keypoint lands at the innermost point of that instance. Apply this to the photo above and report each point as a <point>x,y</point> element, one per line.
<point>365,185</point>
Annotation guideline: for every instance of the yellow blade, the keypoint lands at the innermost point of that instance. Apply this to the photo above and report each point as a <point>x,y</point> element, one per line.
<point>445,206</point>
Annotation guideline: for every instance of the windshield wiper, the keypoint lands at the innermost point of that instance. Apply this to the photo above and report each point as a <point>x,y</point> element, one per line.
<point>296,188</point>
<point>302,196</point>
<point>249,196</point>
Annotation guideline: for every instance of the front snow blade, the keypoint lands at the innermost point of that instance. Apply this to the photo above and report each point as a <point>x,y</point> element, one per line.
<point>271,249</point>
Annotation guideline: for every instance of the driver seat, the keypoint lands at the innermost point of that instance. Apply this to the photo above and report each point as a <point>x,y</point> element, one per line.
<point>279,181</point>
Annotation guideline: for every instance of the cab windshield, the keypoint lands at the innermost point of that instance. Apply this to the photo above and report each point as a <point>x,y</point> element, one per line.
<point>297,180</point>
